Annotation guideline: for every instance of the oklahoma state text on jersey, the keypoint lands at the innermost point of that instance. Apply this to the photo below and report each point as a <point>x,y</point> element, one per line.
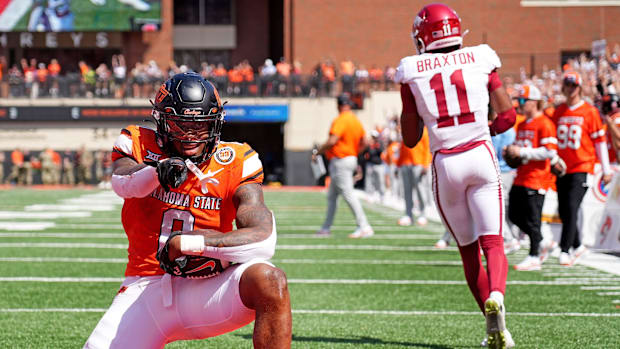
<point>534,133</point>
<point>194,205</point>
<point>578,129</point>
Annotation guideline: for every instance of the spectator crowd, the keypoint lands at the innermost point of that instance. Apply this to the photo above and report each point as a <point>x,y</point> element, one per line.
<point>32,78</point>
<point>50,167</point>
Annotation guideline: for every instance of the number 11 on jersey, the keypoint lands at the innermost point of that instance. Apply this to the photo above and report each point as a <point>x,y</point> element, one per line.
<point>445,120</point>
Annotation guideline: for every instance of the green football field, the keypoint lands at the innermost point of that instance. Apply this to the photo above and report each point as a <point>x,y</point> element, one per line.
<point>62,256</point>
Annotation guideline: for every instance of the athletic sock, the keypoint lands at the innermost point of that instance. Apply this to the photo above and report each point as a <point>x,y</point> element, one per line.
<point>497,264</point>
<point>475,274</point>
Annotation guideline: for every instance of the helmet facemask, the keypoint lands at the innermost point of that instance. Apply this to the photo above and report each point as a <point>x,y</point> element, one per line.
<point>197,128</point>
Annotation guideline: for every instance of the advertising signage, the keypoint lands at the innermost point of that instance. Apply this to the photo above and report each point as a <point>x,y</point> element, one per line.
<point>79,15</point>
<point>238,113</point>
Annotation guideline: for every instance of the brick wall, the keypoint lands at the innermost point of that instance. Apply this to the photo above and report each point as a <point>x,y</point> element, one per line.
<point>370,31</point>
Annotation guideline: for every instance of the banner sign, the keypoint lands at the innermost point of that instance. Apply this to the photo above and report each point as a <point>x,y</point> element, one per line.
<point>608,232</point>
<point>257,113</point>
<point>238,113</point>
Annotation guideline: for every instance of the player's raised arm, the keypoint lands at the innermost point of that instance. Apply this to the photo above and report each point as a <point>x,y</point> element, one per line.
<point>411,124</point>
<point>131,179</point>
<point>500,102</point>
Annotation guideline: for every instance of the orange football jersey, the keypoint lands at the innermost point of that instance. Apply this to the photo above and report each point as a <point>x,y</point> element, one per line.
<point>196,204</point>
<point>534,133</point>
<point>578,129</point>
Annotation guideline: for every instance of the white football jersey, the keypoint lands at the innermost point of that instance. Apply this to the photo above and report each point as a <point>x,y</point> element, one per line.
<point>451,93</point>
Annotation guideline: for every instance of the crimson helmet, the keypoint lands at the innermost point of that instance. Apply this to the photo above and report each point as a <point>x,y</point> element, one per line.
<point>188,109</point>
<point>436,26</point>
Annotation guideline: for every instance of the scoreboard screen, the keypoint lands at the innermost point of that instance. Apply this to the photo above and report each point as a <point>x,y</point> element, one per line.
<point>79,15</point>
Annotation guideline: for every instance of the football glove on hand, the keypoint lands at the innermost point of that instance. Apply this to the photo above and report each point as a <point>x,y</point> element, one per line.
<point>558,166</point>
<point>189,266</point>
<point>171,172</point>
<point>171,267</point>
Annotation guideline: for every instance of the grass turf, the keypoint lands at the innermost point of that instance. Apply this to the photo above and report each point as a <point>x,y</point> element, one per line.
<point>326,314</point>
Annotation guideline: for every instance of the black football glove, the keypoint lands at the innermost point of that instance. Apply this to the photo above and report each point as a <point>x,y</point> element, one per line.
<point>171,172</point>
<point>171,267</point>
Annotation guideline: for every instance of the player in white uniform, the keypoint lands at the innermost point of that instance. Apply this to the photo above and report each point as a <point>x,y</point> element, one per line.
<point>448,89</point>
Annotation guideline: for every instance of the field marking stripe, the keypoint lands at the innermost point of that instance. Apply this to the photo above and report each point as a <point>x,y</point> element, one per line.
<point>600,288</point>
<point>63,259</point>
<point>282,236</point>
<point>608,293</point>
<point>301,281</point>
<point>275,260</point>
<point>377,236</point>
<point>279,247</point>
<point>335,312</point>
<point>63,235</point>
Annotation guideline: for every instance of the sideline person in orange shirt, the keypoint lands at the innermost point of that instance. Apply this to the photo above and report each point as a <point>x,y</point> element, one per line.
<point>536,144</point>
<point>346,141</point>
<point>581,139</point>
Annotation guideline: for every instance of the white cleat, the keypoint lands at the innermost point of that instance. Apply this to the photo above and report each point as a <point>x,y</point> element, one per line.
<point>579,252</point>
<point>529,263</point>
<point>512,246</point>
<point>441,244</point>
<point>546,247</point>
<point>496,324</point>
<point>362,233</point>
<point>565,259</point>
<point>405,221</point>
<point>422,221</point>
<point>139,5</point>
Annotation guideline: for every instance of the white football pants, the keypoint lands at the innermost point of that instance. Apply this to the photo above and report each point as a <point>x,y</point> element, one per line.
<point>468,193</point>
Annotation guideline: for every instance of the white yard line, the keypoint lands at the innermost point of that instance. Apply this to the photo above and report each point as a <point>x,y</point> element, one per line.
<point>600,288</point>
<point>309,281</point>
<point>65,235</point>
<point>4,225</point>
<point>87,226</point>
<point>608,293</point>
<point>71,207</point>
<point>377,236</point>
<point>278,247</point>
<point>282,236</point>
<point>44,215</point>
<point>590,273</point>
<point>278,261</point>
<point>336,312</point>
<point>62,260</point>
<point>61,245</point>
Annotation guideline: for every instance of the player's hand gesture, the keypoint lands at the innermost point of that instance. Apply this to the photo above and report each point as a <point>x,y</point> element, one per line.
<point>171,172</point>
